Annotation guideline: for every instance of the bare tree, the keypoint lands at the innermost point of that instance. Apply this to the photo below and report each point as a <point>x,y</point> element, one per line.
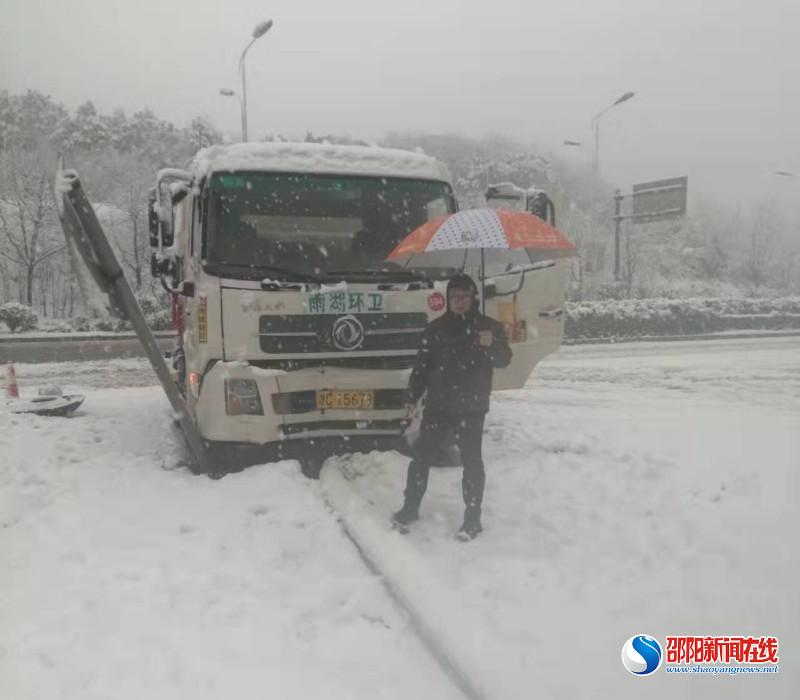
<point>26,215</point>
<point>118,183</point>
<point>133,178</point>
<point>760,245</point>
<point>631,257</point>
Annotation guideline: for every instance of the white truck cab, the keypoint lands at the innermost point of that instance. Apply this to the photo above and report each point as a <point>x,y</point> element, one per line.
<point>293,329</point>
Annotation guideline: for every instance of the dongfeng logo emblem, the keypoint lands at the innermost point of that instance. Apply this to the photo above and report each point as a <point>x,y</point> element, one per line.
<point>641,655</point>
<point>347,333</point>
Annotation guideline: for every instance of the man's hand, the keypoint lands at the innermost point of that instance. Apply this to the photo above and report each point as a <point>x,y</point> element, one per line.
<point>411,409</point>
<point>485,339</point>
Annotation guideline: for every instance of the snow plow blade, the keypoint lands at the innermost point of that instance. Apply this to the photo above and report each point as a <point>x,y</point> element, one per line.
<point>96,263</point>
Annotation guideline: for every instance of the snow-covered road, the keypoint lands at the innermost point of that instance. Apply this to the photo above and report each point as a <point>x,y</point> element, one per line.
<point>123,580</point>
<point>637,488</point>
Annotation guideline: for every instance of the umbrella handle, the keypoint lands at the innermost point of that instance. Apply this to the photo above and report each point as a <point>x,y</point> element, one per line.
<point>483,283</point>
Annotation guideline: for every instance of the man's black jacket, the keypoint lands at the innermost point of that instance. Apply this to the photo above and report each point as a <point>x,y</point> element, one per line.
<point>454,368</point>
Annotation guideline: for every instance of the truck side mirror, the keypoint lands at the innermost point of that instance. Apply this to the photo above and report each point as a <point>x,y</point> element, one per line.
<point>172,186</point>
<point>159,216</point>
<point>152,217</point>
<point>537,205</point>
<point>165,215</point>
<point>542,206</point>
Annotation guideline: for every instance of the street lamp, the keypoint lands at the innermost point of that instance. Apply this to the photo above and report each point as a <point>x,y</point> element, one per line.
<point>596,128</point>
<point>229,92</point>
<point>258,31</point>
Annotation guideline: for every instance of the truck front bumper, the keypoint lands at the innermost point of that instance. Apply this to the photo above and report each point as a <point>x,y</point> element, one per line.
<point>290,413</point>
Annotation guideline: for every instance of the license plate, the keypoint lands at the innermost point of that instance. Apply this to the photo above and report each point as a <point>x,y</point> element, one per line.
<point>345,399</point>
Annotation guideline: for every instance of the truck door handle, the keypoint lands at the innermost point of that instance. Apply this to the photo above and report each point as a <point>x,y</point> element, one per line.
<point>185,289</point>
<point>551,314</point>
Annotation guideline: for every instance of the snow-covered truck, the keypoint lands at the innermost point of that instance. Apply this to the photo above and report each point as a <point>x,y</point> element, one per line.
<point>507,195</point>
<point>294,332</point>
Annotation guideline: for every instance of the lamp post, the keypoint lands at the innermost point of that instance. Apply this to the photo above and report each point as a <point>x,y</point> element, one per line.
<point>229,92</point>
<point>596,128</point>
<point>258,31</point>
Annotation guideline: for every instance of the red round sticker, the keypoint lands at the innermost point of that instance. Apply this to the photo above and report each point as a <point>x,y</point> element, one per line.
<point>436,301</point>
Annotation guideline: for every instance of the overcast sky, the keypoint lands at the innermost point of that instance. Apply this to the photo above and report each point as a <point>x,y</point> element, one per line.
<point>717,82</point>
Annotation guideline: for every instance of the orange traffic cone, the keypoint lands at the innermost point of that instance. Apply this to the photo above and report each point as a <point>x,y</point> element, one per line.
<point>12,390</point>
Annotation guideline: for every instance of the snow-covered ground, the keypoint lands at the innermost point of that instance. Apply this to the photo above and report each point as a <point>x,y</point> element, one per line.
<point>124,580</point>
<point>632,488</point>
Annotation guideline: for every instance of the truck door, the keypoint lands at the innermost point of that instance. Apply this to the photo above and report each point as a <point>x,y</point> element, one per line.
<point>530,304</point>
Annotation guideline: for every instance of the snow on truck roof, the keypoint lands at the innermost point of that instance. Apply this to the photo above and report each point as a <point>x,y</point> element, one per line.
<point>318,158</point>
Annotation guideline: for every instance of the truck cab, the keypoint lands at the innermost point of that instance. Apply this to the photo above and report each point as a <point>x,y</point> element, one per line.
<point>293,329</point>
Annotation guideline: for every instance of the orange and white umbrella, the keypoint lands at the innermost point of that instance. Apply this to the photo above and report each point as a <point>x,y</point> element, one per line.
<point>513,236</point>
<point>486,229</point>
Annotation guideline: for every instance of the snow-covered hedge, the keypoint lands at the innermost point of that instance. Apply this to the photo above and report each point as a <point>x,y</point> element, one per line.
<point>156,310</point>
<point>633,318</point>
<point>18,317</point>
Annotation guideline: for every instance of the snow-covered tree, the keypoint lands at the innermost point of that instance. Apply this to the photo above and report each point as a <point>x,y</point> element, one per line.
<point>25,119</point>
<point>86,131</point>
<point>203,133</point>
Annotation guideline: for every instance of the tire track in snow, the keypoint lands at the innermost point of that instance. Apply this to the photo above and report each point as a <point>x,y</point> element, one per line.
<point>418,602</point>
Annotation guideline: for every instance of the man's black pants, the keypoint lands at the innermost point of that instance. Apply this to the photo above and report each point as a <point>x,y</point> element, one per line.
<point>468,429</point>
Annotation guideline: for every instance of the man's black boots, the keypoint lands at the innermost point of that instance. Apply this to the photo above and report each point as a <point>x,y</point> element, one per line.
<point>416,484</point>
<point>471,527</point>
<point>406,515</point>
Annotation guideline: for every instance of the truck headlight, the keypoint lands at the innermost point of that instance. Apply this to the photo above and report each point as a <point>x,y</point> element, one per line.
<point>242,398</point>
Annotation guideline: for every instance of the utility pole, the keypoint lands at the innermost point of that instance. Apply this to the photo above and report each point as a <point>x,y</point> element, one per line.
<point>618,197</point>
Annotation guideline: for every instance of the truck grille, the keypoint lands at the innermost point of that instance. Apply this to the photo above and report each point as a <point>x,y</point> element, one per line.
<point>323,333</point>
<point>363,362</point>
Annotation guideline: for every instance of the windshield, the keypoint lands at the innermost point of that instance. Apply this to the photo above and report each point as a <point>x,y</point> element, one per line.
<point>261,223</point>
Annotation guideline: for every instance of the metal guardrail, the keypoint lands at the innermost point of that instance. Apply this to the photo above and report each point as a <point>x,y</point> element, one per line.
<point>723,335</point>
<point>168,335</point>
<point>44,337</point>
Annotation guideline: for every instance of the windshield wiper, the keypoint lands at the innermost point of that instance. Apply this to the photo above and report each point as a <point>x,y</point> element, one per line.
<point>373,272</point>
<point>293,274</point>
<point>286,278</point>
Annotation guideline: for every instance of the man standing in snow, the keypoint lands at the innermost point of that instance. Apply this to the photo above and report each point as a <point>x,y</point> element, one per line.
<point>455,364</point>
